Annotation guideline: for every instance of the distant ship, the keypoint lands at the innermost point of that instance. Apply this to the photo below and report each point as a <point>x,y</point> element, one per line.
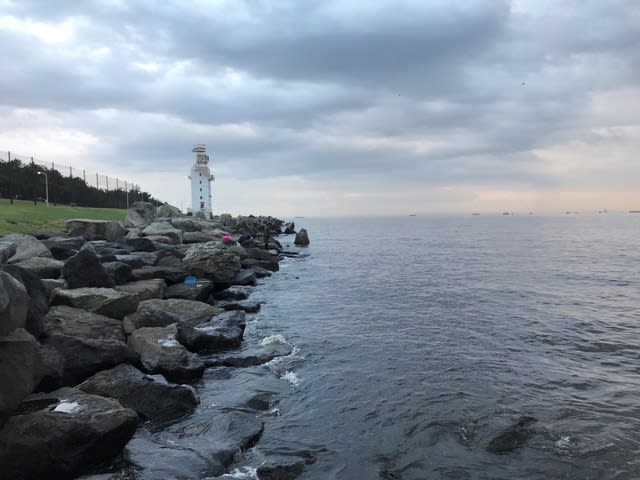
<point>634,211</point>
<point>412,214</point>
<point>475,213</point>
<point>505,213</point>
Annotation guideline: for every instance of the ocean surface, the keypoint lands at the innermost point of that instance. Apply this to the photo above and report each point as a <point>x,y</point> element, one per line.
<point>417,340</point>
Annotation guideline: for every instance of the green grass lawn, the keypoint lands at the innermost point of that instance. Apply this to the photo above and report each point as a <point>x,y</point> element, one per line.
<point>25,217</point>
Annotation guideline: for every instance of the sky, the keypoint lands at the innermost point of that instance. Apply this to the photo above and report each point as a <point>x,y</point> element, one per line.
<point>335,107</point>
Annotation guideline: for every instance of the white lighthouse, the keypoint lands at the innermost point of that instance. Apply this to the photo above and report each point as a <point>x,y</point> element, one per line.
<point>201,179</point>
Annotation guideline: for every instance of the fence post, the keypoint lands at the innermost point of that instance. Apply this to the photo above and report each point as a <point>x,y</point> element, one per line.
<point>107,182</point>
<point>70,172</point>
<point>53,167</point>
<point>84,176</point>
<point>8,156</point>
<point>32,161</point>
<point>97,182</point>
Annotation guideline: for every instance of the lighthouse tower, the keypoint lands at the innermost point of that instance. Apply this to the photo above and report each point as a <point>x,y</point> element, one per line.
<point>201,179</point>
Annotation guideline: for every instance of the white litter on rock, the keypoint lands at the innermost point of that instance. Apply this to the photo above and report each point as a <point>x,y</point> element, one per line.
<point>67,407</point>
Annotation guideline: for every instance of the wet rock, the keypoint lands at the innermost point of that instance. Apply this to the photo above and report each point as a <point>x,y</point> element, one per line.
<point>153,399</point>
<point>7,250</point>
<point>244,277</point>
<point>26,247</point>
<point>170,275</point>
<point>183,452</point>
<point>85,270</point>
<point>164,229</point>
<point>249,356</point>
<point>260,272</point>
<point>145,289</point>
<point>43,267</point>
<point>281,469</point>
<point>190,312</point>
<point>271,265</point>
<point>20,369</point>
<point>289,228</point>
<point>160,352</point>
<point>14,304</point>
<point>38,303</point>
<point>62,248</point>
<point>87,342</point>
<point>249,306</point>
<point>140,214</point>
<point>233,293</point>
<point>57,434</point>
<point>302,238</point>
<point>223,332</point>
<point>260,401</point>
<point>104,301</point>
<point>148,317</point>
<point>119,272</point>
<point>96,229</point>
<point>214,261</point>
<point>200,291</point>
<point>513,437</point>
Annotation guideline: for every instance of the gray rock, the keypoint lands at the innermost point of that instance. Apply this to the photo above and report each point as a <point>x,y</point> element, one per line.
<point>138,259</point>
<point>260,272</point>
<point>187,224</point>
<point>152,399</point>
<point>104,301</point>
<point>7,250</point>
<point>190,312</point>
<point>62,248</point>
<point>52,369</point>
<point>223,332</point>
<point>43,267</point>
<point>145,289</point>
<point>233,293</point>
<point>161,353</point>
<point>169,259</point>
<point>162,240</point>
<point>141,244</point>
<point>96,229</point>
<point>513,437</point>
<point>249,306</point>
<point>57,434</point>
<point>196,237</point>
<point>181,451</point>
<point>249,356</point>
<point>140,214</point>
<point>63,320</point>
<point>260,254</point>
<point>26,247</point>
<point>119,272</point>
<point>50,284</point>
<point>200,291</point>
<point>214,261</point>
<point>14,304</point>
<point>281,469</point>
<point>20,369</point>
<point>85,270</point>
<point>148,317</point>
<point>168,211</point>
<point>245,277</point>
<point>169,274</point>
<point>38,303</point>
<point>271,265</point>
<point>302,238</point>
<point>164,229</point>
<point>261,401</point>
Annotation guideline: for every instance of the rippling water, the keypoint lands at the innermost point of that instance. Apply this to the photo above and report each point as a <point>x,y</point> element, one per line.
<point>420,339</point>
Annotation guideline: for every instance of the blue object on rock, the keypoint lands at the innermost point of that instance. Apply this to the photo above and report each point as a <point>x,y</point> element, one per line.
<point>190,280</point>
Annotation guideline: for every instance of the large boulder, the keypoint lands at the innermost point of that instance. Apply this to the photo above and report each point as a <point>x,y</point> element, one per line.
<point>169,274</point>
<point>104,301</point>
<point>64,247</point>
<point>196,237</point>
<point>161,353</point>
<point>223,332</point>
<point>38,304</point>
<point>14,304</point>
<point>233,293</point>
<point>59,434</point>
<point>148,317</point>
<point>43,267</point>
<point>7,250</point>
<point>138,259</point>
<point>215,261</point>
<point>96,229</point>
<point>145,289</point>
<point>302,238</point>
<point>20,369</point>
<point>200,290</point>
<point>26,247</point>
<point>86,341</point>
<point>151,397</point>
<point>168,211</point>
<point>245,277</point>
<point>85,270</point>
<point>140,214</point>
<point>187,224</point>
<point>164,229</point>
<point>190,312</point>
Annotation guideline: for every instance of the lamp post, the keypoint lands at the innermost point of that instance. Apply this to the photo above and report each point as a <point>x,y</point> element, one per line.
<point>46,186</point>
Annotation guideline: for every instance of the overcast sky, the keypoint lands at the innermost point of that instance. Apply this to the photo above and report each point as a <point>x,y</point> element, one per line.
<point>343,107</point>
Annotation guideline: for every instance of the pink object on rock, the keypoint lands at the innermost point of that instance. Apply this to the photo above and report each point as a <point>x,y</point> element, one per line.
<point>227,238</point>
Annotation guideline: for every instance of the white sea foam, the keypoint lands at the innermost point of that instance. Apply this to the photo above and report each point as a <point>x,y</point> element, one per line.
<point>292,378</point>
<point>169,341</point>
<point>273,339</point>
<point>67,407</point>
<point>241,473</point>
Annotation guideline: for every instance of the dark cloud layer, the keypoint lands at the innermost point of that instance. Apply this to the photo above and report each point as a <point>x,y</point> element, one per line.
<point>435,92</point>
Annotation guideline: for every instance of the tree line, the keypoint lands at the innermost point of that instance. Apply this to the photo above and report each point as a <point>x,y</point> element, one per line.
<point>21,181</point>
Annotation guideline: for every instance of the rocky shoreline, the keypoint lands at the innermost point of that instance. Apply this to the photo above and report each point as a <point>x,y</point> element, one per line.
<point>109,326</point>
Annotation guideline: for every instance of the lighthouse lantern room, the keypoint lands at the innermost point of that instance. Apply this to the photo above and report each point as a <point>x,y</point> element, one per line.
<point>201,179</point>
